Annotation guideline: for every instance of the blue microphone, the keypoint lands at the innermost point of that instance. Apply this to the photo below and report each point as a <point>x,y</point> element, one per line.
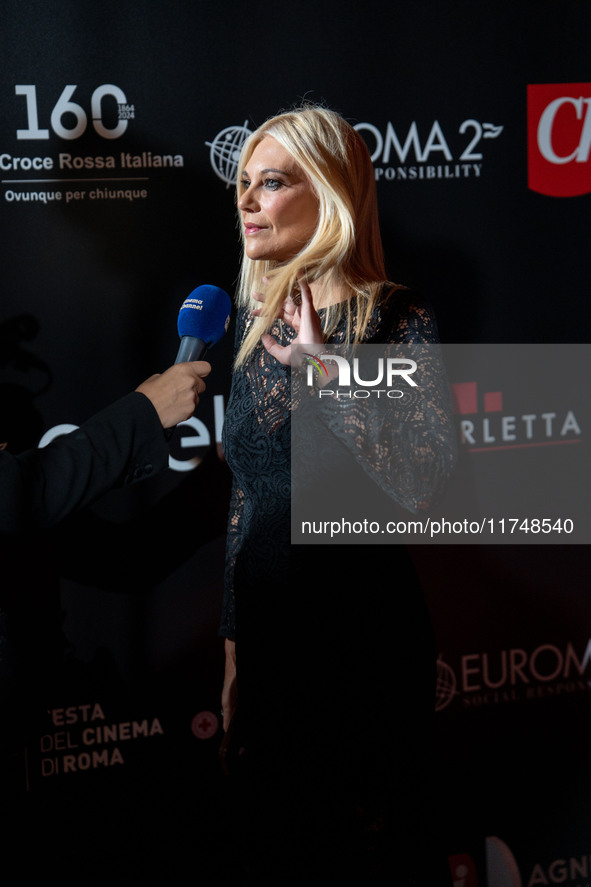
<point>203,319</point>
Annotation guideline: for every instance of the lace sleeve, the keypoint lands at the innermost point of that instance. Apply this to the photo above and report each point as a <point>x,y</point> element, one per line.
<point>405,444</point>
<point>236,507</point>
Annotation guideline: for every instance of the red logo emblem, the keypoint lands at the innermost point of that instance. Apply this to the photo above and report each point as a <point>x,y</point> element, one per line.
<point>204,725</point>
<point>463,871</point>
<point>559,138</point>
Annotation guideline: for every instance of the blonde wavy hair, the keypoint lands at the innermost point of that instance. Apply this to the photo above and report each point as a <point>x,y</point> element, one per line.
<point>346,248</point>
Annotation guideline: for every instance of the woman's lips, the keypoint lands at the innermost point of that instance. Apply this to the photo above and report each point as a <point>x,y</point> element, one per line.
<point>252,229</point>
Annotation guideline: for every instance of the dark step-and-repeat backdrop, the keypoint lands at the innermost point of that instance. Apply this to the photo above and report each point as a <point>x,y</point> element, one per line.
<point>121,125</point>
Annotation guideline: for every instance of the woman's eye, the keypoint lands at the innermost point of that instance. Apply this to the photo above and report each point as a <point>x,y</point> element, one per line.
<point>272,184</point>
<point>244,184</point>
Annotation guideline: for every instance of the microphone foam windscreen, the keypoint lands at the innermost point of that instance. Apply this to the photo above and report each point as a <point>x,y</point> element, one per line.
<point>205,314</point>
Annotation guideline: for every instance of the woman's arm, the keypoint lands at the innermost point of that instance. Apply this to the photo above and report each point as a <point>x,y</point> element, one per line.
<point>119,445</point>
<point>407,444</point>
<point>229,691</point>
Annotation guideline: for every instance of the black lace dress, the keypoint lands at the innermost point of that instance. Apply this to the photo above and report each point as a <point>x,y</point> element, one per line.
<point>335,658</point>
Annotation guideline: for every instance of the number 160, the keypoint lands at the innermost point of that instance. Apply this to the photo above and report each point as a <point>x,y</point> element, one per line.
<point>63,106</point>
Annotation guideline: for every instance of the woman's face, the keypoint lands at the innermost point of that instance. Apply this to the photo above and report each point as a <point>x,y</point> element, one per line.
<point>278,205</point>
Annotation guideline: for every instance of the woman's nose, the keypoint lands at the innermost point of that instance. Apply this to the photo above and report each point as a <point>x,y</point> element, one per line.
<point>247,201</point>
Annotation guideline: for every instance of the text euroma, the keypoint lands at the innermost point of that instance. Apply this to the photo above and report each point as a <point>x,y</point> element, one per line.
<point>125,160</point>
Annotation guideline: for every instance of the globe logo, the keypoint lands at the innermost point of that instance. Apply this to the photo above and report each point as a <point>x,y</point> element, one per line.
<point>445,687</point>
<point>224,152</point>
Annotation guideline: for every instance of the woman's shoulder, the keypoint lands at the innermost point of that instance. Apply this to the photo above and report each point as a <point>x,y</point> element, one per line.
<point>403,314</point>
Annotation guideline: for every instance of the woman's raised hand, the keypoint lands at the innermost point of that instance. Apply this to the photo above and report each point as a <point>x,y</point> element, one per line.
<point>303,319</point>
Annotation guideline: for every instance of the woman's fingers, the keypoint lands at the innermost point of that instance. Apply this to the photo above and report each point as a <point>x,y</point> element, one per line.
<point>300,315</point>
<point>290,311</point>
<point>310,325</point>
<point>305,290</point>
<point>282,353</point>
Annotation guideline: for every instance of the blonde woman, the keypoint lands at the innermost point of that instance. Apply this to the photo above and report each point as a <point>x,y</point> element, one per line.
<point>329,662</point>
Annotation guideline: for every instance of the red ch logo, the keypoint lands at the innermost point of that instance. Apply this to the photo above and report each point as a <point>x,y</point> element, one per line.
<point>559,138</point>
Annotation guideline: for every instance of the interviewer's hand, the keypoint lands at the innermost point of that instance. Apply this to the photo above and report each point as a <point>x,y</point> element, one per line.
<point>175,392</point>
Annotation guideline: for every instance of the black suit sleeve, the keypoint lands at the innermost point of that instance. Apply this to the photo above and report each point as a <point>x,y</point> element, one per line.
<point>123,443</point>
